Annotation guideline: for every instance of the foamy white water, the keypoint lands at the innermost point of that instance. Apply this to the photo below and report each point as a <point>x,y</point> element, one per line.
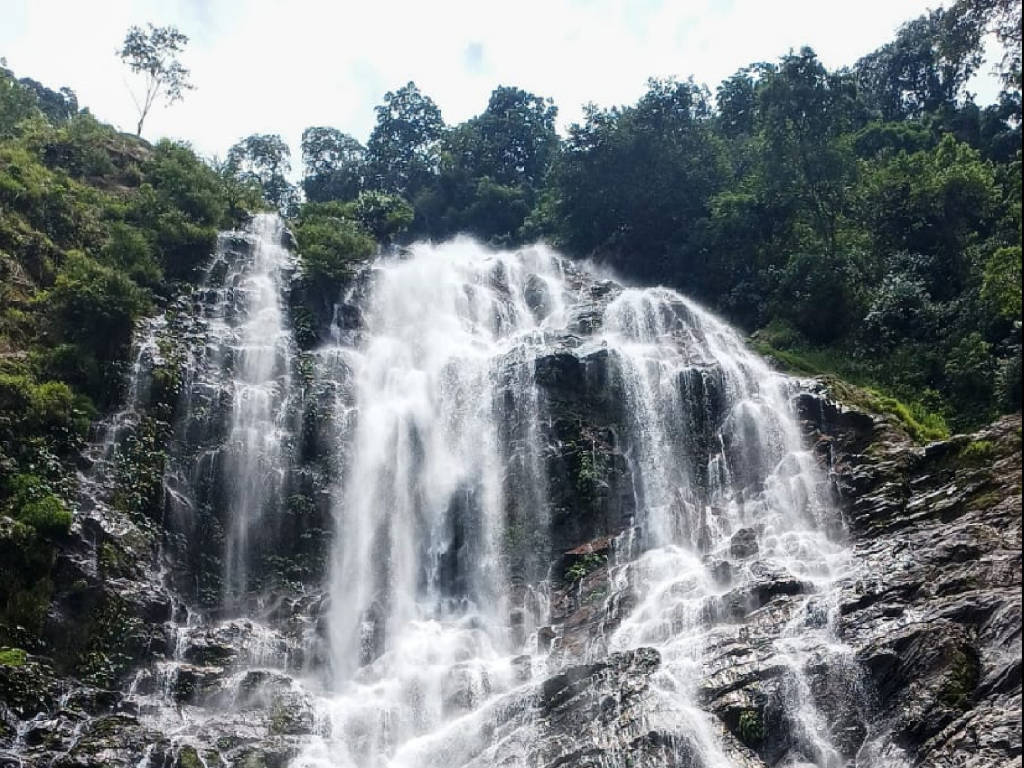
<point>444,428</point>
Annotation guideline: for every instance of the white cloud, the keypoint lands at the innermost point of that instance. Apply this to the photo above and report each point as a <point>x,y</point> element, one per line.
<point>271,66</point>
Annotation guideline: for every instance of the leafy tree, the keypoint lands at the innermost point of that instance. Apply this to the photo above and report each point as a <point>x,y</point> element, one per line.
<point>16,102</point>
<point>632,183</point>
<point>805,115</point>
<point>512,142</point>
<point>58,106</point>
<point>403,147</point>
<point>737,101</point>
<point>264,160</point>
<point>491,169</point>
<point>153,53</point>
<point>925,68</point>
<point>931,202</point>
<point>1002,17</point>
<point>334,165</point>
<point>384,216</point>
<point>820,295</point>
<point>1002,281</point>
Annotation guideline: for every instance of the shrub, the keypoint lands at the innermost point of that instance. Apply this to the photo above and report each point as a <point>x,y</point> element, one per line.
<point>329,242</point>
<point>48,516</point>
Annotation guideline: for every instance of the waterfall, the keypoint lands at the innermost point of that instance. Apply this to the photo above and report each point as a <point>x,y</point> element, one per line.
<point>443,511</point>
<point>237,397</point>
<point>531,475</point>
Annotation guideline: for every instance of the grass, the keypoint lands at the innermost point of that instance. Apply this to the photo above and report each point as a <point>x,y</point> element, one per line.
<point>850,382</point>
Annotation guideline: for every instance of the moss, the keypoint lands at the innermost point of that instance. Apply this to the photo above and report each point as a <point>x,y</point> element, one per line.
<point>47,515</point>
<point>750,728</point>
<point>188,757</point>
<point>110,560</point>
<point>961,681</point>
<point>920,423</point>
<point>140,469</point>
<point>112,643</point>
<point>12,657</point>
<point>986,499</point>
<point>978,452</point>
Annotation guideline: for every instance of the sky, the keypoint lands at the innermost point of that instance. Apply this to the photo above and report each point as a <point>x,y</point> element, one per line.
<point>278,66</point>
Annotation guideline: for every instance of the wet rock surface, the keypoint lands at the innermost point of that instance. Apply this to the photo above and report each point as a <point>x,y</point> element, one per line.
<point>914,659</point>
<point>929,668</point>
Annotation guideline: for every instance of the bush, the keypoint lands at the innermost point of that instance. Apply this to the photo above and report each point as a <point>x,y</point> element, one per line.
<point>185,182</point>
<point>48,516</point>
<point>819,295</point>
<point>130,253</point>
<point>329,242</point>
<point>95,307</point>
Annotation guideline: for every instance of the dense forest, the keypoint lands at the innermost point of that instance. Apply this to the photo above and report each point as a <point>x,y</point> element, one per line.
<point>864,222</point>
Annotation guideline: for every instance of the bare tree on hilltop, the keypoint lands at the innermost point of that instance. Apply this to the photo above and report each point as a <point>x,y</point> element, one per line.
<point>153,54</point>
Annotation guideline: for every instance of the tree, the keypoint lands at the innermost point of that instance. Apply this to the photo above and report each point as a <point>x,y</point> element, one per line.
<point>1002,17</point>
<point>334,165</point>
<point>153,54</point>
<point>632,183</point>
<point>512,141</point>
<point>58,106</point>
<point>491,169</point>
<point>264,159</point>
<point>16,102</point>
<point>805,115</point>
<point>932,202</point>
<point>925,68</point>
<point>403,146</point>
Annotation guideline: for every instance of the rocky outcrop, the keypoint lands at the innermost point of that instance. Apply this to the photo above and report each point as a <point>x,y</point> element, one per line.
<point>913,657</point>
<point>935,613</point>
<point>927,670</point>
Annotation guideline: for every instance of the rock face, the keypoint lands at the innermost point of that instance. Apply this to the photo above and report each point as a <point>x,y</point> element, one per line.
<point>935,617</point>
<point>911,656</point>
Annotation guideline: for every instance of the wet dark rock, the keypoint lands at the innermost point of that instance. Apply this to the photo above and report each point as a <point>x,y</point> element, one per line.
<point>743,543</point>
<point>935,618</point>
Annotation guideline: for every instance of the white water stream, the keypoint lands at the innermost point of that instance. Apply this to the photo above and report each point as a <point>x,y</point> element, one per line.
<point>445,439</point>
<point>441,573</point>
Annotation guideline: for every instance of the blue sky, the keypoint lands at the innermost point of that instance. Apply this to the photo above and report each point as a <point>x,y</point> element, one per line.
<point>278,66</point>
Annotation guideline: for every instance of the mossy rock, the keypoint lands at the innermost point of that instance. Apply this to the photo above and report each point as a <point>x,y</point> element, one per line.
<point>27,687</point>
<point>12,657</point>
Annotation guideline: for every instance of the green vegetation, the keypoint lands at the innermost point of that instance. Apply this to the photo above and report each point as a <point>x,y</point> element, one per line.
<point>978,452</point>
<point>750,728</point>
<point>584,565</point>
<point>962,679</point>
<point>97,229</point>
<point>922,424</point>
<point>12,657</point>
<point>864,221</point>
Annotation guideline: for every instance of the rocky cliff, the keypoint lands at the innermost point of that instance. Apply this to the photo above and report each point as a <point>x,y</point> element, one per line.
<point>894,641</point>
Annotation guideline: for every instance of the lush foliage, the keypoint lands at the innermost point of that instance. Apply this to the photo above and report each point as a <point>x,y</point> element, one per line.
<point>96,228</point>
<point>869,215</point>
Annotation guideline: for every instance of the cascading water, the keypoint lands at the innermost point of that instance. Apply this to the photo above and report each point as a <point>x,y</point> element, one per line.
<point>535,477</point>
<point>260,348</point>
<point>433,643</point>
<point>445,459</point>
<point>234,455</point>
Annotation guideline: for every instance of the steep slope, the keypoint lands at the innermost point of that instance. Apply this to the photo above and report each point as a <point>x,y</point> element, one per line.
<point>507,513</point>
